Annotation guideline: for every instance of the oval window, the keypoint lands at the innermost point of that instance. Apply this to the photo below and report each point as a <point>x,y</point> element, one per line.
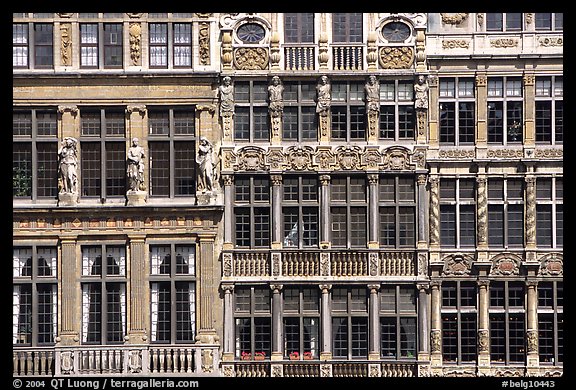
<point>396,32</point>
<point>251,33</point>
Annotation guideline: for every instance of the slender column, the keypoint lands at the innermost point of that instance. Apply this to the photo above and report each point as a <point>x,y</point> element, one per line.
<point>423,318</point>
<point>433,114</point>
<point>532,322</point>
<point>228,181</point>
<point>326,353</point>
<point>529,110</point>
<point>373,207</point>
<point>481,111</point>
<point>206,265</point>
<point>530,219</point>
<point>434,212</point>
<point>422,220</point>
<point>436,322</point>
<point>277,333</point>
<point>276,211</point>
<point>69,332</point>
<point>482,212</point>
<point>325,211</point>
<point>138,290</point>
<point>228,350</point>
<point>483,323</point>
<point>374,340</point>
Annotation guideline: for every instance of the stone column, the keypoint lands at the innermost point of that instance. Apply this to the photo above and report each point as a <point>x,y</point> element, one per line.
<point>228,350</point>
<point>138,290</point>
<point>482,213</point>
<point>483,325</point>
<point>530,217</point>
<point>422,206</point>
<point>423,324</point>
<point>436,323</point>
<point>69,288</point>
<point>373,242</point>
<point>481,114</point>
<point>326,353</point>
<point>228,223</point>
<point>529,110</point>
<point>205,270</point>
<point>433,114</point>
<point>277,331</point>
<point>276,211</point>
<point>532,323</point>
<point>434,212</point>
<point>325,212</point>
<point>374,340</point>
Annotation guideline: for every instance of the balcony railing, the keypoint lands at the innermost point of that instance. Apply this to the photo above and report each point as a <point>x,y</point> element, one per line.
<point>299,57</point>
<point>335,263</point>
<point>33,362</point>
<point>347,57</point>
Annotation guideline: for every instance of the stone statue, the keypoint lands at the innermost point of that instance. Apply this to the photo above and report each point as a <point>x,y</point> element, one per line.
<point>68,163</point>
<point>421,93</point>
<point>372,90</point>
<point>226,92</point>
<point>135,169</point>
<point>323,89</point>
<point>275,91</point>
<point>205,162</point>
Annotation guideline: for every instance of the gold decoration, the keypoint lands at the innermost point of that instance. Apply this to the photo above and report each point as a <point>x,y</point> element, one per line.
<point>396,57</point>
<point>251,58</point>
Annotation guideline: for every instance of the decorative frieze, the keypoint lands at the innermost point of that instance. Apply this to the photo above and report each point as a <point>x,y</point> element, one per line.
<point>457,264</point>
<point>457,153</point>
<point>551,265</point>
<point>251,158</point>
<point>396,57</point>
<point>299,157</point>
<point>506,264</point>
<point>204,42</point>
<point>504,42</point>
<point>505,153</point>
<point>453,19</point>
<point>66,44</point>
<point>455,44</point>
<point>251,58</point>
<point>548,153</point>
<point>550,41</point>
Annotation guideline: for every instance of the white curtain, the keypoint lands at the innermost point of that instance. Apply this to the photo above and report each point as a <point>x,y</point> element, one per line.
<point>154,310</point>
<point>123,307</point>
<point>192,307</point>
<point>155,259</point>
<point>49,255</point>
<point>54,312</point>
<point>89,256</point>
<point>15,313</point>
<point>85,311</point>
<point>19,259</point>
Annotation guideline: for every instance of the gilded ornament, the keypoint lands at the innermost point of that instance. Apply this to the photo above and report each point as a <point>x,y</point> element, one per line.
<point>454,19</point>
<point>251,58</point>
<point>396,57</point>
<point>135,31</point>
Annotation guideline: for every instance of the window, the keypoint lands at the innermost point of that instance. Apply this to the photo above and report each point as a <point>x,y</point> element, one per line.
<point>504,21</point>
<point>173,38</point>
<point>398,320</point>
<point>299,121</point>
<point>457,113</point>
<point>506,212</point>
<point>546,21</point>
<point>251,111</point>
<point>348,111</point>
<point>253,321</point>
<point>457,212</point>
<point>395,31</point>
<point>459,326</point>
<point>113,45</point>
<point>350,322</point>
<point>549,212</point>
<point>20,45</point>
<point>171,143</point>
<point>101,45</point>
<point>37,39</point>
<point>252,211</point>
<point>103,294</point>
<point>103,152</point>
<point>505,114</point>
<point>551,322</point>
<point>347,27</point>
<point>549,110</point>
<point>301,321</point>
<point>172,293</point>
<point>507,324</point>
<point>251,33</point>
<point>43,45</point>
<point>299,28</point>
<point>397,203</point>
<point>34,153</point>
<point>89,45</point>
<point>34,295</point>
<point>300,212</point>
<point>397,110</point>
<point>348,211</point>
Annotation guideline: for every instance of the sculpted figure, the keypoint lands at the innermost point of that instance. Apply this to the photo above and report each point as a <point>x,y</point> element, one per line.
<point>226,92</point>
<point>421,93</point>
<point>372,90</point>
<point>205,162</point>
<point>275,90</point>
<point>68,163</point>
<point>135,169</point>
<point>323,90</point>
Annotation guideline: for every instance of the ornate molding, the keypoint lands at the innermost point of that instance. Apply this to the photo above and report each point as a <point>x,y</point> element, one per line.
<point>140,108</point>
<point>551,264</point>
<point>396,158</point>
<point>135,31</point>
<point>204,42</point>
<point>504,42</point>
<point>457,153</point>
<point>134,15</point>
<point>454,19</point>
<point>457,264</point>
<point>506,264</point>
<point>300,157</point>
<point>396,57</point>
<point>68,108</point>
<point>550,41</point>
<point>548,153</point>
<point>505,153</point>
<point>227,264</point>
<point>251,158</point>
<point>483,340</point>
<point>435,341</point>
<point>455,44</point>
<point>251,58</point>
<point>66,44</point>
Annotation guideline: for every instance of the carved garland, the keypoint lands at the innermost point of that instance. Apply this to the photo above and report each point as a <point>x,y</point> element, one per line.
<point>251,58</point>
<point>396,57</point>
<point>454,19</point>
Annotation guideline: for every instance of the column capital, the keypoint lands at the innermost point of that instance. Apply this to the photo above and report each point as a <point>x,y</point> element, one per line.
<point>228,179</point>
<point>435,284</point>
<point>137,237</point>
<point>276,180</point>
<point>140,108</point>
<point>374,287</point>
<point>227,288</point>
<point>205,237</point>
<point>423,286</point>
<point>325,288</point>
<point>372,178</point>
<point>325,180</point>
<point>481,80</point>
<point>483,283</point>
<point>421,179</point>
<point>529,78</point>
<point>73,109</point>
<point>211,108</point>
<point>532,283</point>
<point>276,288</point>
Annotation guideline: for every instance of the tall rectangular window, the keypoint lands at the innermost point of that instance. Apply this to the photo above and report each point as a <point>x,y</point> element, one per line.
<point>251,122</point>
<point>506,212</point>
<point>89,45</point>
<point>550,322</point>
<point>505,110</point>
<point>299,27</point>
<point>397,110</point>
<point>350,322</point>
<point>347,27</point>
<point>171,143</point>
<point>252,211</point>
<point>34,295</point>
<point>300,212</point>
<point>43,45</point>
<point>457,111</point>
<point>549,212</point>
<point>398,318</point>
<point>253,321</point>
<point>158,35</point>
<point>103,152</point>
<point>457,212</point>
<point>459,324</point>
<point>348,111</point>
<point>34,153</point>
<point>299,120</point>
<point>113,40</point>
<point>397,201</point>
<point>301,322</point>
<point>20,41</point>
<point>173,293</point>
<point>549,120</point>
<point>103,293</point>
<point>349,211</point>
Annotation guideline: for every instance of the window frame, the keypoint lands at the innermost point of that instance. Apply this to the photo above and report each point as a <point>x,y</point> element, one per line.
<point>302,314</point>
<point>396,315</point>
<point>255,109</point>
<point>456,206</point>
<point>403,108</point>
<point>555,312</point>
<point>457,99</point>
<point>397,204</point>
<point>301,205</point>
<point>252,205</point>
<point>350,109</point>
<point>304,109</point>
<point>459,312</point>
<point>507,205</point>
<point>350,205</point>
<point>352,312</point>
<point>500,134</point>
<point>554,130</point>
<point>253,315</point>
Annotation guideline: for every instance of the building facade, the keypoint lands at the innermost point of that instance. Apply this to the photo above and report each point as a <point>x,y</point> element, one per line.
<point>288,194</point>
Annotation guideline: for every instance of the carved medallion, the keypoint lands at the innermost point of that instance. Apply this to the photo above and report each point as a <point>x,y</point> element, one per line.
<point>251,58</point>
<point>396,158</point>
<point>396,57</point>
<point>275,158</point>
<point>457,264</point>
<point>300,157</point>
<point>348,157</point>
<point>552,265</point>
<point>505,264</point>
<point>251,158</point>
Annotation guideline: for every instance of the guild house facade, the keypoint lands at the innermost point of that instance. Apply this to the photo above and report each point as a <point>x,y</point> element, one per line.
<point>288,194</point>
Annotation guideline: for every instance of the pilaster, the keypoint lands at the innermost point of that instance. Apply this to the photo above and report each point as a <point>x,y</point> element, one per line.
<point>206,270</point>
<point>138,290</point>
<point>69,326</point>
